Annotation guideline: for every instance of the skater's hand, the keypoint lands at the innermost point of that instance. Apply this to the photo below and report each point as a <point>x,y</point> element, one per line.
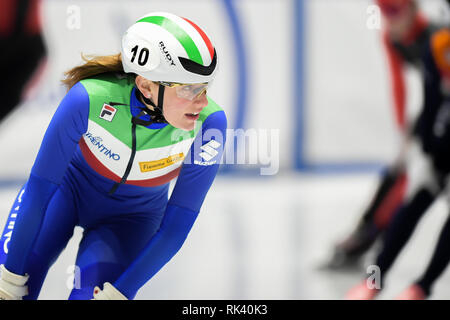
<point>12,286</point>
<point>108,293</point>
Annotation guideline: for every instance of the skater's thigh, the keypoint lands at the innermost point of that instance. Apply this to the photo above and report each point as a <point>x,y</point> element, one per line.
<point>108,249</point>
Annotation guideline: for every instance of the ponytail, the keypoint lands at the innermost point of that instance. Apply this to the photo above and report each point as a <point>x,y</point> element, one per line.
<point>92,67</point>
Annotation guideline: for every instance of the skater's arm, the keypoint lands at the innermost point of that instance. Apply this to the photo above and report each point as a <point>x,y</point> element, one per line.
<point>63,133</point>
<point>432,99</point>
<point>395,63</point>
<point>201,164</point>
<point>194,181</point>
<point>68,124</point>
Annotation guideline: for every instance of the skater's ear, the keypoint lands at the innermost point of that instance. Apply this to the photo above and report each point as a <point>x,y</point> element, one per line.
<point>146,87</point>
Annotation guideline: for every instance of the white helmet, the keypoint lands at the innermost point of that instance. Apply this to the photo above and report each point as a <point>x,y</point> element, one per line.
<point>164,47</point>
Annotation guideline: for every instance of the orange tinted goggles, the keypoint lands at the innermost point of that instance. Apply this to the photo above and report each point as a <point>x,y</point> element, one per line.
<point>187,91</point>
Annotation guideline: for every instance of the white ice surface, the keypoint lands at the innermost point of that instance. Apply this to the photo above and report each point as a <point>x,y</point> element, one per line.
<point>264,238</point>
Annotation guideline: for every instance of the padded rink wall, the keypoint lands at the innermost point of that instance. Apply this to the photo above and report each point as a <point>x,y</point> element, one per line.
<point>311,69</point>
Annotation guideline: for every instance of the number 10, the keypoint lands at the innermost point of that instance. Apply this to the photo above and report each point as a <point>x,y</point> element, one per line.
<point>143,55</point>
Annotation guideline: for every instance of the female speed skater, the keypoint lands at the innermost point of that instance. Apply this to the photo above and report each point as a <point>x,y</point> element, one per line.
<point>434,130</point>
<point>405,38</point>
<point>129,124</point>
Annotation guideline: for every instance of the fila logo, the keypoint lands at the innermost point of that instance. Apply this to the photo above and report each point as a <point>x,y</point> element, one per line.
<point>107,112</point>
<point>209,150</point>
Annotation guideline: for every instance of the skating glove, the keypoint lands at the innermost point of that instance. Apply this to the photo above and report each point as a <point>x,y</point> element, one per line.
<point>108,293</point>
<point>12,286</point>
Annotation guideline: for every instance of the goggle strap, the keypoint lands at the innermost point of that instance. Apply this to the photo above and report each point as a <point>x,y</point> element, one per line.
<point>161,97</point>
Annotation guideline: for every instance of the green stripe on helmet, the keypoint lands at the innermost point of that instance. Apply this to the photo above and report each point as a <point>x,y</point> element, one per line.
<point>181,35</point>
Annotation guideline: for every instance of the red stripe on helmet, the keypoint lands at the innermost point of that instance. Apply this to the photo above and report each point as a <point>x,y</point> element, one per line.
<point>204,36</point>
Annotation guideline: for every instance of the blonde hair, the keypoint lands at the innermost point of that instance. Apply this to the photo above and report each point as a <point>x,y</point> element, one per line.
<point>93,66</point>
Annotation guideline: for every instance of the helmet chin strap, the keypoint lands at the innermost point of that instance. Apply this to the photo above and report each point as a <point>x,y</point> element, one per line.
<point>157,114</point>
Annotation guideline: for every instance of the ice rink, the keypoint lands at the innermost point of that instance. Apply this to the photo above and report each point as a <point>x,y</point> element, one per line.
<point>266,238</point>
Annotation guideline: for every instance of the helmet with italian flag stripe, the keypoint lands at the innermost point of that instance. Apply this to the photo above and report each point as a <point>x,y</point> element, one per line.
<point>164,47</point>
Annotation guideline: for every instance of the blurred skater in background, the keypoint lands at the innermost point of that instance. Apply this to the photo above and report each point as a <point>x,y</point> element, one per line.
<point>23,50</point>
<point>405,37</point>
<point>433,128</point>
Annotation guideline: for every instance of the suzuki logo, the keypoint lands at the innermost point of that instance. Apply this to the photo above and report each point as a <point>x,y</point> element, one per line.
<point>209,150</point>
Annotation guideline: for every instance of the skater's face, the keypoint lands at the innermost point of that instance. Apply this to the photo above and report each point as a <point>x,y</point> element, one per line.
<point>181,104</point>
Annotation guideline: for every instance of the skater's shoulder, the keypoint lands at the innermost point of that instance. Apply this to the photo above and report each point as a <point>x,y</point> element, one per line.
<point>214,113</point>
<point>105,84</point>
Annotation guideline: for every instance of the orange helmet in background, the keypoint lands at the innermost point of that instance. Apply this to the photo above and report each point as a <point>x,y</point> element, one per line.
<point>440,47</point>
